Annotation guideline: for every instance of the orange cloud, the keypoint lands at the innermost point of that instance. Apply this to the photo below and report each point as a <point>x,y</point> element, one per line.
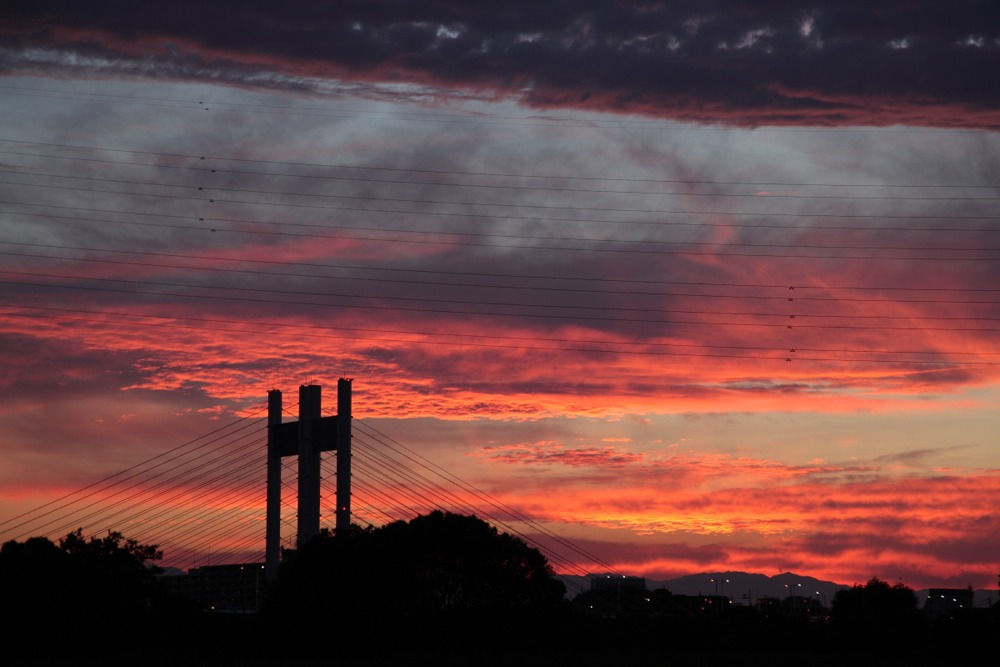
<point>842,522</point>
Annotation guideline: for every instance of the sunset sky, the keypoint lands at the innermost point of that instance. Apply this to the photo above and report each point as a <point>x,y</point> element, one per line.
<point>700,286</point>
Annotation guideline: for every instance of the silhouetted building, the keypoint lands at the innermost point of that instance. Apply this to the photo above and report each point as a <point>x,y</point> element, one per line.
<point>696,605</point>
<point>221,588</point>
<point>801,606</point>
<point>769,606</point>
<point>946,602</point>
<point>614,582</point>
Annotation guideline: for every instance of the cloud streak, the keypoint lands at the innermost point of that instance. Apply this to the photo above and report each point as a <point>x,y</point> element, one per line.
<point>827,518</point>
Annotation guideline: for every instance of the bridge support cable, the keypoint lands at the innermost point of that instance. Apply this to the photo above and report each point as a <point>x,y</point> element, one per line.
<point>400,495</point>
<point>168,493</point>
<point>553,538</point>
<point>90,504</point>
<point>400,476</point>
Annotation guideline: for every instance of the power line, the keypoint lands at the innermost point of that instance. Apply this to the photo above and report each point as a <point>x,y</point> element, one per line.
<point>513,276</point>
<point>530,288</point>
<point>493,286</point>
<point>466,173</point>
<point>450,334</point>
<point>493,186</point>
<point>468,215</point>
<point>593,245</point>
<point>576,239</point>
<point>786,323</point>
<point>437,202</point>
<point>780,354</point>
<point>465,302</point>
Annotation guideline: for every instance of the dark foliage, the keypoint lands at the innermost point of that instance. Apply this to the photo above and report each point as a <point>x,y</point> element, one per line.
<point>78,579</point>
<point>79,589</point>
<point>863,613</point>
<point>35,578</point>
<point>442,589</point>
<point>110,574</point>
<point>437,570</point>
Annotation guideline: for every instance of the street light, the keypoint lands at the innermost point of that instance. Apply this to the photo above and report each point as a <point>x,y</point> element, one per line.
<point>717,582</point>
<point>791,603</point>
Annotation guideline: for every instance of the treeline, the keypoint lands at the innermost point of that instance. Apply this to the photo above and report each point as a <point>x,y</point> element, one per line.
<point>443,586</point>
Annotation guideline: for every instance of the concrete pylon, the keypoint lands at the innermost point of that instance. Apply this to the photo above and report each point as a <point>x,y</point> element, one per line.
<point>307,439</point>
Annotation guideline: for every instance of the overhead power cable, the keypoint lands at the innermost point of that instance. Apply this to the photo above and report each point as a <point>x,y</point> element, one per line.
<point>672,222</point>
<point>617,348</point>
<point>800,323</point>
<point>692,248</point>
<point>590,244</point>
<point>466,173</point>
<point>486,186</point>
<point>533,278</point>
<point>508,304</point>
<point>453,338</point>
<point>213,199</point>
<point>493,286</point>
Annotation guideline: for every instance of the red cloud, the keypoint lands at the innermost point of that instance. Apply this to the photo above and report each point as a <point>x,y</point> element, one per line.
<point>548,453</point>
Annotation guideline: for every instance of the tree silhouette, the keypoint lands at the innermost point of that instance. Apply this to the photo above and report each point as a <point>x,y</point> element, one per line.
<point>110,573</point>
<point>34,576</point>
<point>876,608</point>
<point>461,563</point>
<point>437,570</point>
<point>79,586</point>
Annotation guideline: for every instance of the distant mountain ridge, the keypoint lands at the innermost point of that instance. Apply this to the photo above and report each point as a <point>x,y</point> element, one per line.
<point>745,588</point>
<point>740,586</point>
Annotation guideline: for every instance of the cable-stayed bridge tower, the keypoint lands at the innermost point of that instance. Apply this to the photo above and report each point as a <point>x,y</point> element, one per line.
<point>307,438</point>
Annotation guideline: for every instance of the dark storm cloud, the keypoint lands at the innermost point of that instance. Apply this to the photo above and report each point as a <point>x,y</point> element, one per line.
<point>826,63</point>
